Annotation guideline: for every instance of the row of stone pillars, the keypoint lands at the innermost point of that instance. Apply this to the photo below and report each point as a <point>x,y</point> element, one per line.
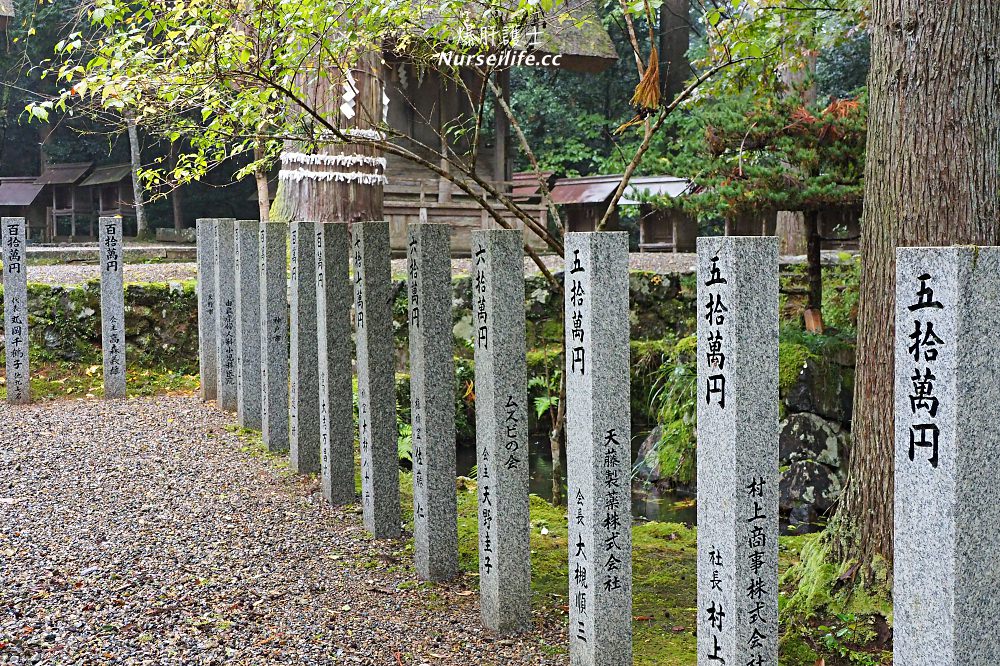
<point>946,432</point>
<point>947,449</point>
<point>297,389</point>
<point>16,315</point>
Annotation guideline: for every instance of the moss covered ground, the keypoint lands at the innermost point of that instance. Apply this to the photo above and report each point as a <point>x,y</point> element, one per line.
<point>665,588</point>
<point>60,380</point>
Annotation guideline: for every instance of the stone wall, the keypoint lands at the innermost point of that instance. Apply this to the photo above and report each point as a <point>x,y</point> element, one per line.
<point>815,436</point>
<point>161,324</point>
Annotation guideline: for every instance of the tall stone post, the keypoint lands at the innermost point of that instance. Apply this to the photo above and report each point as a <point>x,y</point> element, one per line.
<point>377,432</point>
<point>501,428</point>
<point>738,450</point>
<point>947,504</point>
<point>208,369</point>
<point>432,401</point>
<point>248,324</point>
<point>274,335</point>
<point>225,313</point>
<point>336,394</point>
<point>304,420</point>
<point>598,449</point>
<point>15,309</point>
<point>112,306</point>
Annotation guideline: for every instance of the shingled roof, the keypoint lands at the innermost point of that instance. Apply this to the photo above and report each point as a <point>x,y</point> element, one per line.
<point>573,30</point>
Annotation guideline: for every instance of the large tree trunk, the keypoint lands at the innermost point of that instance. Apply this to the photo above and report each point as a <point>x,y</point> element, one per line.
<point>141,225</point>
<point>310,196</point>
<point>932,177</point>
<point>675,39</point>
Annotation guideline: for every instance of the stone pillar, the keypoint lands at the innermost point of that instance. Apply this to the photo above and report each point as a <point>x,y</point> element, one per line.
<point>304,420</point>
<point>336,393</point>
<point>15,309</point>
<point>432,401</point>
<point>112,306</point>
<point>225,313</point>
<point>501,428</point>
<point>248,324</point>
<point>738,450</point>
<point>377,432</point>
<point>947,499</point>
<point>598,447</point>
<point>208,369</point>
<point>273,250</point>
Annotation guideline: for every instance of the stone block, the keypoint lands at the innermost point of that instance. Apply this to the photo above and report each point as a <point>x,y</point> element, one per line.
<point>737,451</point>
<point>501,429</point>
<point>598,446</point>
<point>432,401</point>
<point>112,306</point>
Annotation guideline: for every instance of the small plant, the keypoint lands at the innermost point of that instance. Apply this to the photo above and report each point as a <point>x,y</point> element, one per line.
<point>548,397</point>
<point>404,443</point>
<point>836,638</point>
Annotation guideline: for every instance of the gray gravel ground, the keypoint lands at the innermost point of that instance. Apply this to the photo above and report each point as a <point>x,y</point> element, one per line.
<point>657,262</point>
<point>69,274</point>
<point>141,533</point>
<point>78,273</point>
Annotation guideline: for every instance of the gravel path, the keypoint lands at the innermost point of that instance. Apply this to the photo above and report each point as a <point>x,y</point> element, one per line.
<point>657,262</point>
<point>140,533</point>
<point>69,274</point>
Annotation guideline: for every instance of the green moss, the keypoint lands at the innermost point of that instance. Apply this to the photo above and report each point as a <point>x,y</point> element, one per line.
<point>793,650</point>
<point>820,594</point>
<point>677,454</point>
<point>58,380</point>
<point>792,357</point>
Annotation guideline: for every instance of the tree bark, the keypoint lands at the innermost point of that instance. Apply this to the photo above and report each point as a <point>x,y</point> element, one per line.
<point>675,39</point>
<point>176,195</point>
<point>314,198</point>
<point>789,227</point>
<point>141,224</point>
<point>932,177</point>
<point>263,190</point>
<point>814,265</point>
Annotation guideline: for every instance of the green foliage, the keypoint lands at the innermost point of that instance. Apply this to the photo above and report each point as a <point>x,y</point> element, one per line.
<point>840,294</point>
<point>674,402</point>
<point>792,357</point>
<point>217,79</point>
<point>749,154</point>
<point>847,630</point>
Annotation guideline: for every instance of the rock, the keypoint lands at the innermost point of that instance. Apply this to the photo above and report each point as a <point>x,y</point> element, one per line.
<point>803,520</point>
<point>823,388</point>
<point>647,460</point>
<point>810,437</point>
<point>808,483</point>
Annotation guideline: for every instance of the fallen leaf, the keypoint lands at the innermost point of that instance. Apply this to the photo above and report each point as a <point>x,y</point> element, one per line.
<point>465,593</point>
<point>642,618</point>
